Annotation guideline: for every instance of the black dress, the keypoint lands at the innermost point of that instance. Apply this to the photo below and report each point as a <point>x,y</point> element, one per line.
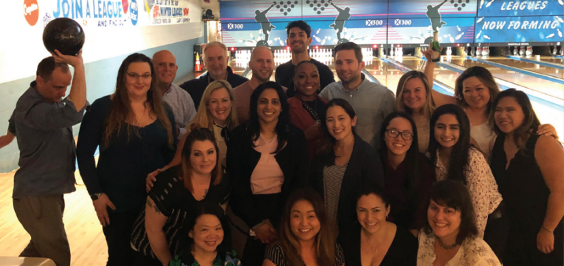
<point>526,195</point>
<point>402,251</point>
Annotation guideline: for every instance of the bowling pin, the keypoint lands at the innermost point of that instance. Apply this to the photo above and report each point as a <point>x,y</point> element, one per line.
<point>529,51</point>
<point>449,51</point>
<point>555,50</point>
<point>516,50</point>
<point>522,50</point>
<point>562,50</point>
<point>479,51</point>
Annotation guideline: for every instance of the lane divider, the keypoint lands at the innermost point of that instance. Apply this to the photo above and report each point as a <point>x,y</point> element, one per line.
<point>522,71</point>
<point>558,56</point>
<point>542,63</point>
<point>370,77</point>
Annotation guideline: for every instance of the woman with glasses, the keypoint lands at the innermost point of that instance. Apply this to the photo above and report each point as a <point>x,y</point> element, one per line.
<point>408,173</point>
<point>135,132</point>
<point>344,164</point>
<point>216,114</point>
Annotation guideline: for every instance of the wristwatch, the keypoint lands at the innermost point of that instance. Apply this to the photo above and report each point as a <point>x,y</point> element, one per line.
<point>95,196</point>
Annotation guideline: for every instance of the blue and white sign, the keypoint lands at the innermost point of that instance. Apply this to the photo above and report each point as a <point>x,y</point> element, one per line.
<point>134,12</point>
<point>432,9</point>
<point>519,29</point>
<point>418,31</point>
<point>369,31</point>
<point>501,8</point>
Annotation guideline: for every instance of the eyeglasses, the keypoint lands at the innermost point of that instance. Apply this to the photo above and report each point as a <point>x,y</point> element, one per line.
<point>136,76</point>
<point>392,133</point>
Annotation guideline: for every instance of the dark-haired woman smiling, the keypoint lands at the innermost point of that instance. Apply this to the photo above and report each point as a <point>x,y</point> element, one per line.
<point>344,163</point>
<point>409,174</point>
<point>450,236</point>
<point>266,160</point>
<point>456,159</point>
<point>530,173</point>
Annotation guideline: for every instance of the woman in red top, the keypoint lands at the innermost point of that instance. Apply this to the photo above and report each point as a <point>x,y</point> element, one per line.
<point>306,107</point>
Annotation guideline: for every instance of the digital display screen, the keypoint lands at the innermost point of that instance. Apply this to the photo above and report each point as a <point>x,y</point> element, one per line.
<point>506,8</point>
<point>519,29</point>
<point>432,9</point>
<point>418,31</point>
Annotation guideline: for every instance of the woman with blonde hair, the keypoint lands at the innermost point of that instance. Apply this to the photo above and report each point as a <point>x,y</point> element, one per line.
<point>413,96</point>
<point>217,113</point>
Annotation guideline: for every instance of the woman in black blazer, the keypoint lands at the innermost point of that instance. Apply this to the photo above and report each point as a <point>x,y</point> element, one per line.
<point>267,160</point>
<point>344,164</point>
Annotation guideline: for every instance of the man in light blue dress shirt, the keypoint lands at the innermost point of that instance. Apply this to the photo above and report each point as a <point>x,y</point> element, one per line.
<point>179,100</point>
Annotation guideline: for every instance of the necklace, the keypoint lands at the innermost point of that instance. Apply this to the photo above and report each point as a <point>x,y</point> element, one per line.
<point>374,249</point>
<point>447,247</point>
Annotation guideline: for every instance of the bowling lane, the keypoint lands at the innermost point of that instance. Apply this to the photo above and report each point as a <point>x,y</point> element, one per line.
<point>550,71</point>
<point>551,59</point>
<point>443,75</point>
<point>533,83</point>
<point>386,74</point>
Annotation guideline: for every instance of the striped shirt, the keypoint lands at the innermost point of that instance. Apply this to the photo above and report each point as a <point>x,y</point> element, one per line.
<point>332,181</point>
<point>175,202</point>
<point>275,254</point>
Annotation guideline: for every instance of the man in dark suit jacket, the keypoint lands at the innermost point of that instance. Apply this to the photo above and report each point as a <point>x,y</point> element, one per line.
<point>215,60</point>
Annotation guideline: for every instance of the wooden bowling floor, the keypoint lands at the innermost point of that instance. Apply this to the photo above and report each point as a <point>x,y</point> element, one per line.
<point>87,242</point>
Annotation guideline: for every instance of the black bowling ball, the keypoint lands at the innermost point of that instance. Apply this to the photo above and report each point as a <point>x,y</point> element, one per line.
<point>65,35</point>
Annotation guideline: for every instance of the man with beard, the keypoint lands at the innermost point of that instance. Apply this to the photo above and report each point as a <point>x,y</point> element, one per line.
<point>371,102</point>
<point>262,65</point>
<point>215,60</point>
<point>299,38</point>
<point>178,99</point>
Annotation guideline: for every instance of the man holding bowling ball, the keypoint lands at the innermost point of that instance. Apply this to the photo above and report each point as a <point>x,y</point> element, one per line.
<point>42,122</point>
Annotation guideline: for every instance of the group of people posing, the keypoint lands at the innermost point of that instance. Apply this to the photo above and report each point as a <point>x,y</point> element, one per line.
<point>222,170</point>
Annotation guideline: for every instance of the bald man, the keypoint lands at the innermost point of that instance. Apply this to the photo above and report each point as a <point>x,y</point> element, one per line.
<point>262,66</point>
<point>179,100</point>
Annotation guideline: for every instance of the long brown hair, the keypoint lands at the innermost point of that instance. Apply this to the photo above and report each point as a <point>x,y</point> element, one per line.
<point>204,117</point>
<point>429,106</point>
<point>120,110</point>
<point>325,248</point>
<point>199,134</point>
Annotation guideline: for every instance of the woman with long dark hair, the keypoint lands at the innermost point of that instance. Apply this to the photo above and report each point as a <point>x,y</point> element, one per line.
<point>450,235</point>
<point>530,174</point>
<point>266,161</point>
<point>374,240</point>
<point>344,163</point>
<point>455,159</point>
<point>199,178</point>
<point>306,235</point>
<point>134,130</point>
<point>408,173</point>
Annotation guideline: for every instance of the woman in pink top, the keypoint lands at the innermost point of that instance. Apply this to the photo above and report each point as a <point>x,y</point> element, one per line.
<point>266,161</point>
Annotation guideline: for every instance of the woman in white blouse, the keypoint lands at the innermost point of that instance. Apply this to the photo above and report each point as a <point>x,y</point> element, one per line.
<point>450,236</point>
<point>455,159</point>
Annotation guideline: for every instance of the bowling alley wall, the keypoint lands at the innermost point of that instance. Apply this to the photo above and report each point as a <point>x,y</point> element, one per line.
<point>113,28</point>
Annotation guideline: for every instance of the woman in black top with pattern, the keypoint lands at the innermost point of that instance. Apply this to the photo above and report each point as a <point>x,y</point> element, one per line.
<point>176,192</point>
<point>529,171</point>
<point>134,130</point>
